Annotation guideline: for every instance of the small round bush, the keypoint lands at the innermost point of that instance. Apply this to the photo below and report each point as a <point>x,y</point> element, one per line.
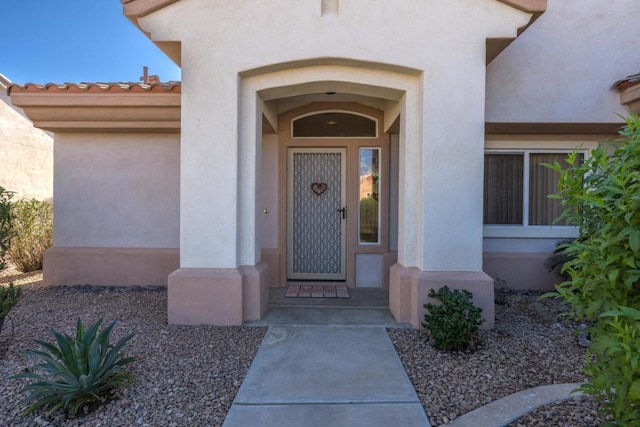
<point>454,321</point>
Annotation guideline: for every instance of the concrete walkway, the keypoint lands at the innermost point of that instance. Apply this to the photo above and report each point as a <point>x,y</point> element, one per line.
<point>331,363</point>
<point>326,376</point>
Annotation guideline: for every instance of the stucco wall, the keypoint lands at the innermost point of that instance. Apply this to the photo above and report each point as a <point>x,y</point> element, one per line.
<point>298,50</point>
<point>26,154</point>
<point>561,69</point>
<point>414,33</point>
<point>117,190</point>
<point>269,192</point>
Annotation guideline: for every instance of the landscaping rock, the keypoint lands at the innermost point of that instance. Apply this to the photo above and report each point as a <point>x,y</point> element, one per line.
<point>185,375</point>
<point>530,346</point>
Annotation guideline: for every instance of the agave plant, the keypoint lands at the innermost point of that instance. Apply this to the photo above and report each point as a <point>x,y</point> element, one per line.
<point>78,371</point>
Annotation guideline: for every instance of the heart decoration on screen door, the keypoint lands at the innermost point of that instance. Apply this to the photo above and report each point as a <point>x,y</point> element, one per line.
<point>319,187</point>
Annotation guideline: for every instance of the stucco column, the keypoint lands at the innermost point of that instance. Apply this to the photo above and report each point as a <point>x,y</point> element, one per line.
<point>219,281</point>
<point>452,167</point>
<point>440,195</point>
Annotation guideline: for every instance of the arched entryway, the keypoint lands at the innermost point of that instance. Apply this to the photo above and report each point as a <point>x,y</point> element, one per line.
<point>438,187</point>
<point>306,94</point>
<point>335,196</point>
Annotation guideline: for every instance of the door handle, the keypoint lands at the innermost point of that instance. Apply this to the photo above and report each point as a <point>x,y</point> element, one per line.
<point>343,211</point>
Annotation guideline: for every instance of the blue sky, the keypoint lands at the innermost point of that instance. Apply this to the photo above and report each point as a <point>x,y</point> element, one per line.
<point>59,41</point>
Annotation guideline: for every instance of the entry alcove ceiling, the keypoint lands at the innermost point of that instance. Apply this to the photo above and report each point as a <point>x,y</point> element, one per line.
<point>279,100</point>
<point>282,105</point>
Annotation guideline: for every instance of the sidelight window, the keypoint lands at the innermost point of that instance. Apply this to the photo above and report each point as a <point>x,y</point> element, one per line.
<point>369,196</point>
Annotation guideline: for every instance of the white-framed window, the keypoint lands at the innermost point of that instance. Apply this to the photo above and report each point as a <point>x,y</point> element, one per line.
<point>517,185</point>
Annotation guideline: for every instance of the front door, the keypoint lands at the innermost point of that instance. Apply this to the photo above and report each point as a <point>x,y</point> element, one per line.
<point>317,213</point>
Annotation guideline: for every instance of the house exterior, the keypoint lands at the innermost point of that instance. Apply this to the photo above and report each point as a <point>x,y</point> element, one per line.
<point>26,152</point>
<point>387,144</point>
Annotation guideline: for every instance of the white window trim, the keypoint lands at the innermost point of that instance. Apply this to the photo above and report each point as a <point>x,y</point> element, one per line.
<point>525,230</point>
<point>530,232</point>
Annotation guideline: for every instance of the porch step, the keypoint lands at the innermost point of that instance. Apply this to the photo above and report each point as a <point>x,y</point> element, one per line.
<point>365,307</point>
<point>328,316</point>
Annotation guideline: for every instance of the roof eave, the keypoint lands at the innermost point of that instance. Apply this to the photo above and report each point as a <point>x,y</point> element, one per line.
<point>90,112</point>
<point>529,6</point>
<point>535,7</point>
<point>140,8</point>
<point>136,9</point>
<point>630,98</point>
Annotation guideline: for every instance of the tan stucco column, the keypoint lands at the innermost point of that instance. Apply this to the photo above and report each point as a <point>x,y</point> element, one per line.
<point>220,280</point>
<point>440,194</point>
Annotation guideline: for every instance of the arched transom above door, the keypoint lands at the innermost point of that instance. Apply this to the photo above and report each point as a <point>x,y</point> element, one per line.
<point>334,124</point>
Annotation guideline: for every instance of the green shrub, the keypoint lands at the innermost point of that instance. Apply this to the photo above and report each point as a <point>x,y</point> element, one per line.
<point>555,263</point>
<point>9,296</point>
<point>612,364</point>
<point>602,197</point>
<point>5,224</point>
<point>453,323</point>
<point>32,233</point>
<point>78,371</point>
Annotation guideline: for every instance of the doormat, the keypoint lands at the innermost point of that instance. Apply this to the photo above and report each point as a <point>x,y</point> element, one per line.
<point>317,291</point>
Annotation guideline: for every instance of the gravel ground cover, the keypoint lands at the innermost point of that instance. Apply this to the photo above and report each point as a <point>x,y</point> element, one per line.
<point>529,347</point>
<point>190,375</point>
<point>576,412</point>
<point>184,375</point>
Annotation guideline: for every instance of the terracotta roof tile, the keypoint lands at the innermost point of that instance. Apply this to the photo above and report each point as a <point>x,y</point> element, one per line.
<point>133,87</point>
<point>627,82</point>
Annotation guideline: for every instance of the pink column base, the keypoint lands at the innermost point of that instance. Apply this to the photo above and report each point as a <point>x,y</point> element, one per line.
<point>255,291</point>
<point>409,287</point>
<point>217,296</point>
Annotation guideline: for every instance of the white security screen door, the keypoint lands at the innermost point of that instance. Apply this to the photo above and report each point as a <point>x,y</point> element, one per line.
<point>316,214</point>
